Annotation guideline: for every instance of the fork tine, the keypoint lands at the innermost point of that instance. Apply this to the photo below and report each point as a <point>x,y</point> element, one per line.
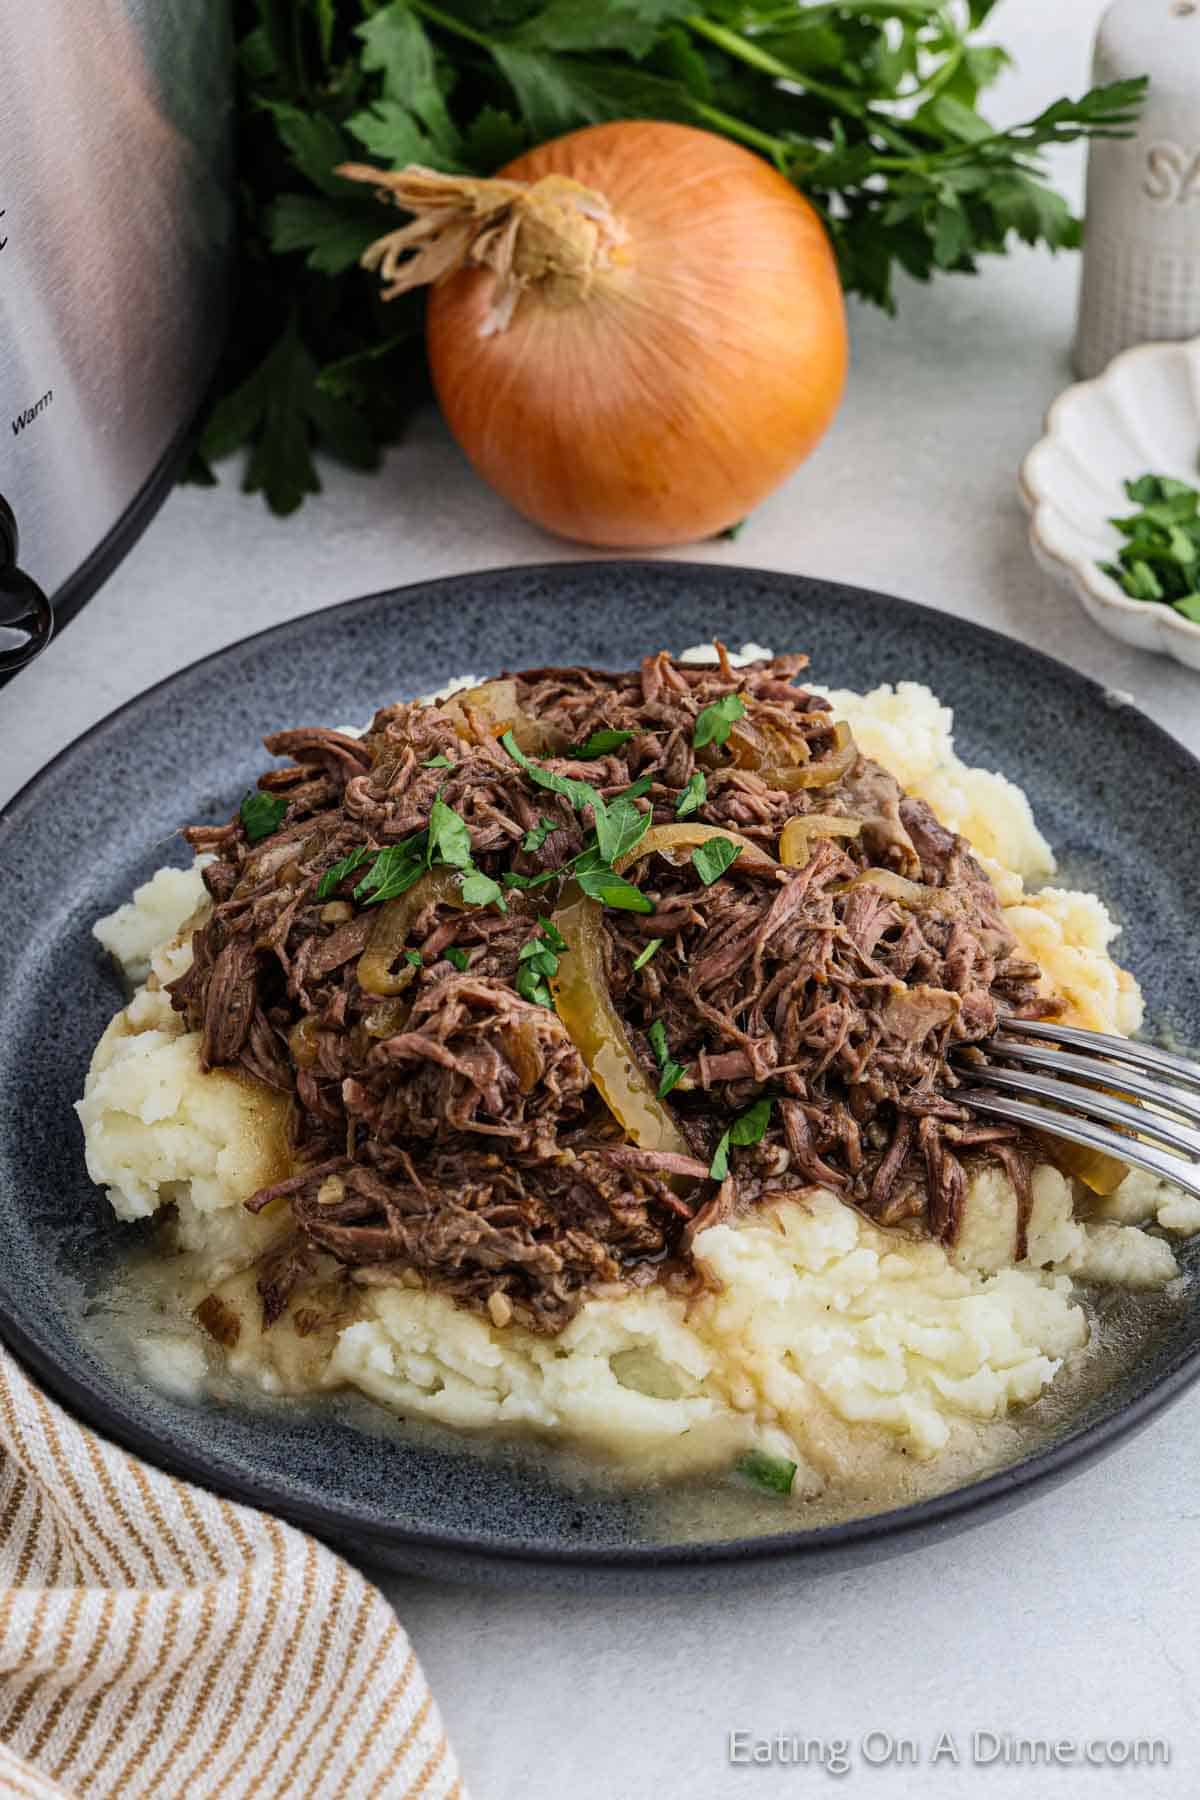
<point>1094,1103</point>
<point>1083,1131</point>
<point>1125,1050</point>
<point>1105,1074</point>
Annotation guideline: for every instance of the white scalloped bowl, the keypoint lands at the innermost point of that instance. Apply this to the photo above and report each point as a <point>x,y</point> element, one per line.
<point>1142,414</point>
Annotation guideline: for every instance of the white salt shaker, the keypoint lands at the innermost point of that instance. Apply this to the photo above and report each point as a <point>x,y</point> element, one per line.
<point>1141,250</point>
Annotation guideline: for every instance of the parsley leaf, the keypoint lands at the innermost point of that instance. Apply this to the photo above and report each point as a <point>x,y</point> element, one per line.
<point>671,1071</point>
<point>261,814</point>
<point>480,890</point>
<point>437,762</point>
<point>537,834</point>
<point>637,788</point>
<point>449,838</point>
<point>1158,559</point>
<point>552,935</point>
<point>693,796</point>
<point>339,870</point>
<point>457,957</point>
<point>713,857</point>
<point>415,958</point>
<point>643,956</point>
<point>279,407</point>
<point>537,961</point>
<point>395,869</point>
<point>773,1473</point>
<point>611,889</point>
<point>512,879</point>
<point>579,793</point>
<point>600,743</point>
<point>747,1128</point>
<point>712,725</point>
<point>620,827</point>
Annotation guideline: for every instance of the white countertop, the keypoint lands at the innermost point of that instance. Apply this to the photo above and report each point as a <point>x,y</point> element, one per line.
<point>1074,1617</point>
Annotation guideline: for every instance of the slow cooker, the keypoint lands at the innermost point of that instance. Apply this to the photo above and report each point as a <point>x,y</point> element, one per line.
<point>115,239</point>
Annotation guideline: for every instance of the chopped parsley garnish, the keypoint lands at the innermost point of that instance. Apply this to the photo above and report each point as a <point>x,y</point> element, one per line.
<point>671,1071</point>
<point>437,762</point>
<point>748,1128</point>
<point>693,796</point>
<point>537,834</point>
<point>643,956</point>
<point>511,879</point>
<point>395,869</point>
<point>599,744</point>
<point>339,870</point>
<point>713,857</point>
<point>537,960</point>
<point>552,934</point>
<point>261,814</point>
<point>774,1473</point>
<point>458,957</point>
<point>637,788</point>
<point>415,958</point>
<point>1160,559</point>
<point>611,889</point>
<point>579,793</point>
<point>712,726</point>
<point>620,827</point>
<point>480,890</point>
<point>449,838</point>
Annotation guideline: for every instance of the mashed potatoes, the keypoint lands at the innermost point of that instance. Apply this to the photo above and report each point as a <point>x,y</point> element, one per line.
<point>825,1340</point>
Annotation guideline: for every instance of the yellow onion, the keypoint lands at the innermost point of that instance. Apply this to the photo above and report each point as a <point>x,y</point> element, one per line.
<point>302,1042</point>
<point>824,771</point>
<point>585,1006</point>
<point>389,934</point>
<point>758,743</point>
<point>1102,1173</point>
<point>494,705</point>
<point>911,894</point>
<point>636,331</point>
<point>665,839</point>
<point>795,840</point>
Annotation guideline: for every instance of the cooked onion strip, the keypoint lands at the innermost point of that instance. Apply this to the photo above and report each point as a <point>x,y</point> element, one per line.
<point>912,894</point>
<point>664,839</point>
<point>759,744</point>
<point>1102,1173</point>
<point>821,773</point>
<point>795,840</point>
<point>390,931</point>
<point>494,706</point>
<point>586,1008</point>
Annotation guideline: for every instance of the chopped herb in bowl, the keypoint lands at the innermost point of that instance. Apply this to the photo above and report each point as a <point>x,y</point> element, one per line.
<point>1160,558</point>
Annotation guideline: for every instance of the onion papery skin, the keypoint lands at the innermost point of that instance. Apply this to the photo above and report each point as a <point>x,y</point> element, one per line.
<point>701,366</point>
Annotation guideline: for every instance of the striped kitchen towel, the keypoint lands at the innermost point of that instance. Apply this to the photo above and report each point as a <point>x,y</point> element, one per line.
<point>158,1641</point>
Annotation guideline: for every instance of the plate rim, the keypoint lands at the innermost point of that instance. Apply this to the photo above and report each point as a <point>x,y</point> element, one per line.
<point>336,1520</point>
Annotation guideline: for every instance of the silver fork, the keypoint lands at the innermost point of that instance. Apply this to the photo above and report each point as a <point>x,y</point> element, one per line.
<point>1063,1084</point>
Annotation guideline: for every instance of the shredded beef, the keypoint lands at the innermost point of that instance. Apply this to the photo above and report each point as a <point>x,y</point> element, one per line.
<point>449,1131</point>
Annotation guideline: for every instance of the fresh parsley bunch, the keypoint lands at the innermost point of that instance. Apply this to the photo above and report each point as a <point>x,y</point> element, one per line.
<point>872,108</point>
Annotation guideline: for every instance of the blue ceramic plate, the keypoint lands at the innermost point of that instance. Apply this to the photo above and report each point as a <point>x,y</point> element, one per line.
<point>1117,797</point>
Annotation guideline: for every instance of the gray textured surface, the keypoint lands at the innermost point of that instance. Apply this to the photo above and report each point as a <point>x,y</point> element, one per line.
<point>1073,1617</point>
